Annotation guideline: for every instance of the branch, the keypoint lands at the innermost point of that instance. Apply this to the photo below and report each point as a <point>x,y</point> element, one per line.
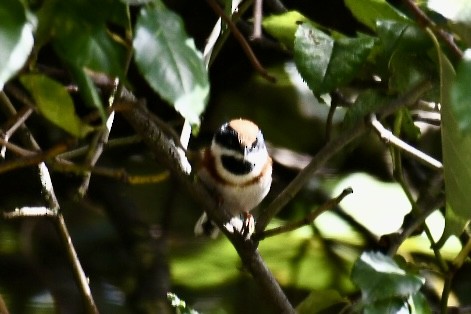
<point>257,19</point>
<point>53,205</point>
<point>306,220</point>
<point>331,149</point>
<point>167,153</point>
<point>388,137</point>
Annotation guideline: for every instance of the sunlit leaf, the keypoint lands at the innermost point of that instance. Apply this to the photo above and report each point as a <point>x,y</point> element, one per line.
<point>369,11</point>
<point>283,26</point>
<point>16,39</point>
<point>170,62</point>
<point>379,278</point>
<point>460,94</point>
<point>456,148</point>
<point>54,103</point>
<point>325,63</point>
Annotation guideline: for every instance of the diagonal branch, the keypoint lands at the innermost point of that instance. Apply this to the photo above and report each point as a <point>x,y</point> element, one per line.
<point>329,150</point>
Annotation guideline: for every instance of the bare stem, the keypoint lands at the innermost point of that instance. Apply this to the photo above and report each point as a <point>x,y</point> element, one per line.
<point>243,43</point>
<point>388,137</point>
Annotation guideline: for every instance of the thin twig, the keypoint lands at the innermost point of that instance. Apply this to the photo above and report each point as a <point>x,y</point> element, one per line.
<point>257,19</point>
<point>116,142</point>
<point>31,160</point>
<point>20,151</point>
<point>426,22</point>
<point>53,205</point>
<point>97,146</point>
<point>240,38</point>
<point>117,174</point>
<point>306,220</point>
<point>388,137</point>
<point>29,212</point>
<point>329,150</point>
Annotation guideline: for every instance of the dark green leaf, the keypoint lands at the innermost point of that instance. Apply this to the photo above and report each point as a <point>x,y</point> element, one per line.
<point>421,304</point>
<point>325,63</point>
<point>402,35</point>
<point>319,301</point>
<point>55,103</point>
<point>389,306</point>
<point>170,62</point>
<point>88,90</point>
<point>367,102</point>
<point>283,26</point>
<point>380,278</point>
<point>408,128</point>
<point>92,48</point>
<point>460,94</point>
<point>407,69</point>
<point>456,148</point>
<point>80,35</point>
<point>369,11</point>
<point>16,39</point>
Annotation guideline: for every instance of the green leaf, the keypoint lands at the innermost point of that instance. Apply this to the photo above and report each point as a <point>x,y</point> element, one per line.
<point>325,63</point>
<point>407,69</point>
<point>322,301</point>
<point>55,104</point>
<point>88,90</point>
<point>456,148</point>
<point>170,62</point>
<point>389,306</point>
<point>283,26</point>
<point>380,278</point>
<point>92,48</point>
<point>16,39</point>
<point>80,35</point>
<point>369,11</point>
<point>367,102</point>
<point>460,94</point>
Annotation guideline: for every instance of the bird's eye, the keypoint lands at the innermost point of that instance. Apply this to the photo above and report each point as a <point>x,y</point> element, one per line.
<point>228,138</point>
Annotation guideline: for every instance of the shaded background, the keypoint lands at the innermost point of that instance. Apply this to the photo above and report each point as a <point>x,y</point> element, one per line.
<point>136,243</point>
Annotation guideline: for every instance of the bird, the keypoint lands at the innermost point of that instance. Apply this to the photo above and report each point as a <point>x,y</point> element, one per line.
<point>238,169</point>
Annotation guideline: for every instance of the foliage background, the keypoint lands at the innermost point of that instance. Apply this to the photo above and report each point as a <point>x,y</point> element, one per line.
<point>135,241</point>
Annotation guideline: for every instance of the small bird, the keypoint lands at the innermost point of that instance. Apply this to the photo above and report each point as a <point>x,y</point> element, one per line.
<point>238,169</point>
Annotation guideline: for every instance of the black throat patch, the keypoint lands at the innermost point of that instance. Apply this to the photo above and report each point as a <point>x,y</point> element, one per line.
<point>235,165</point>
